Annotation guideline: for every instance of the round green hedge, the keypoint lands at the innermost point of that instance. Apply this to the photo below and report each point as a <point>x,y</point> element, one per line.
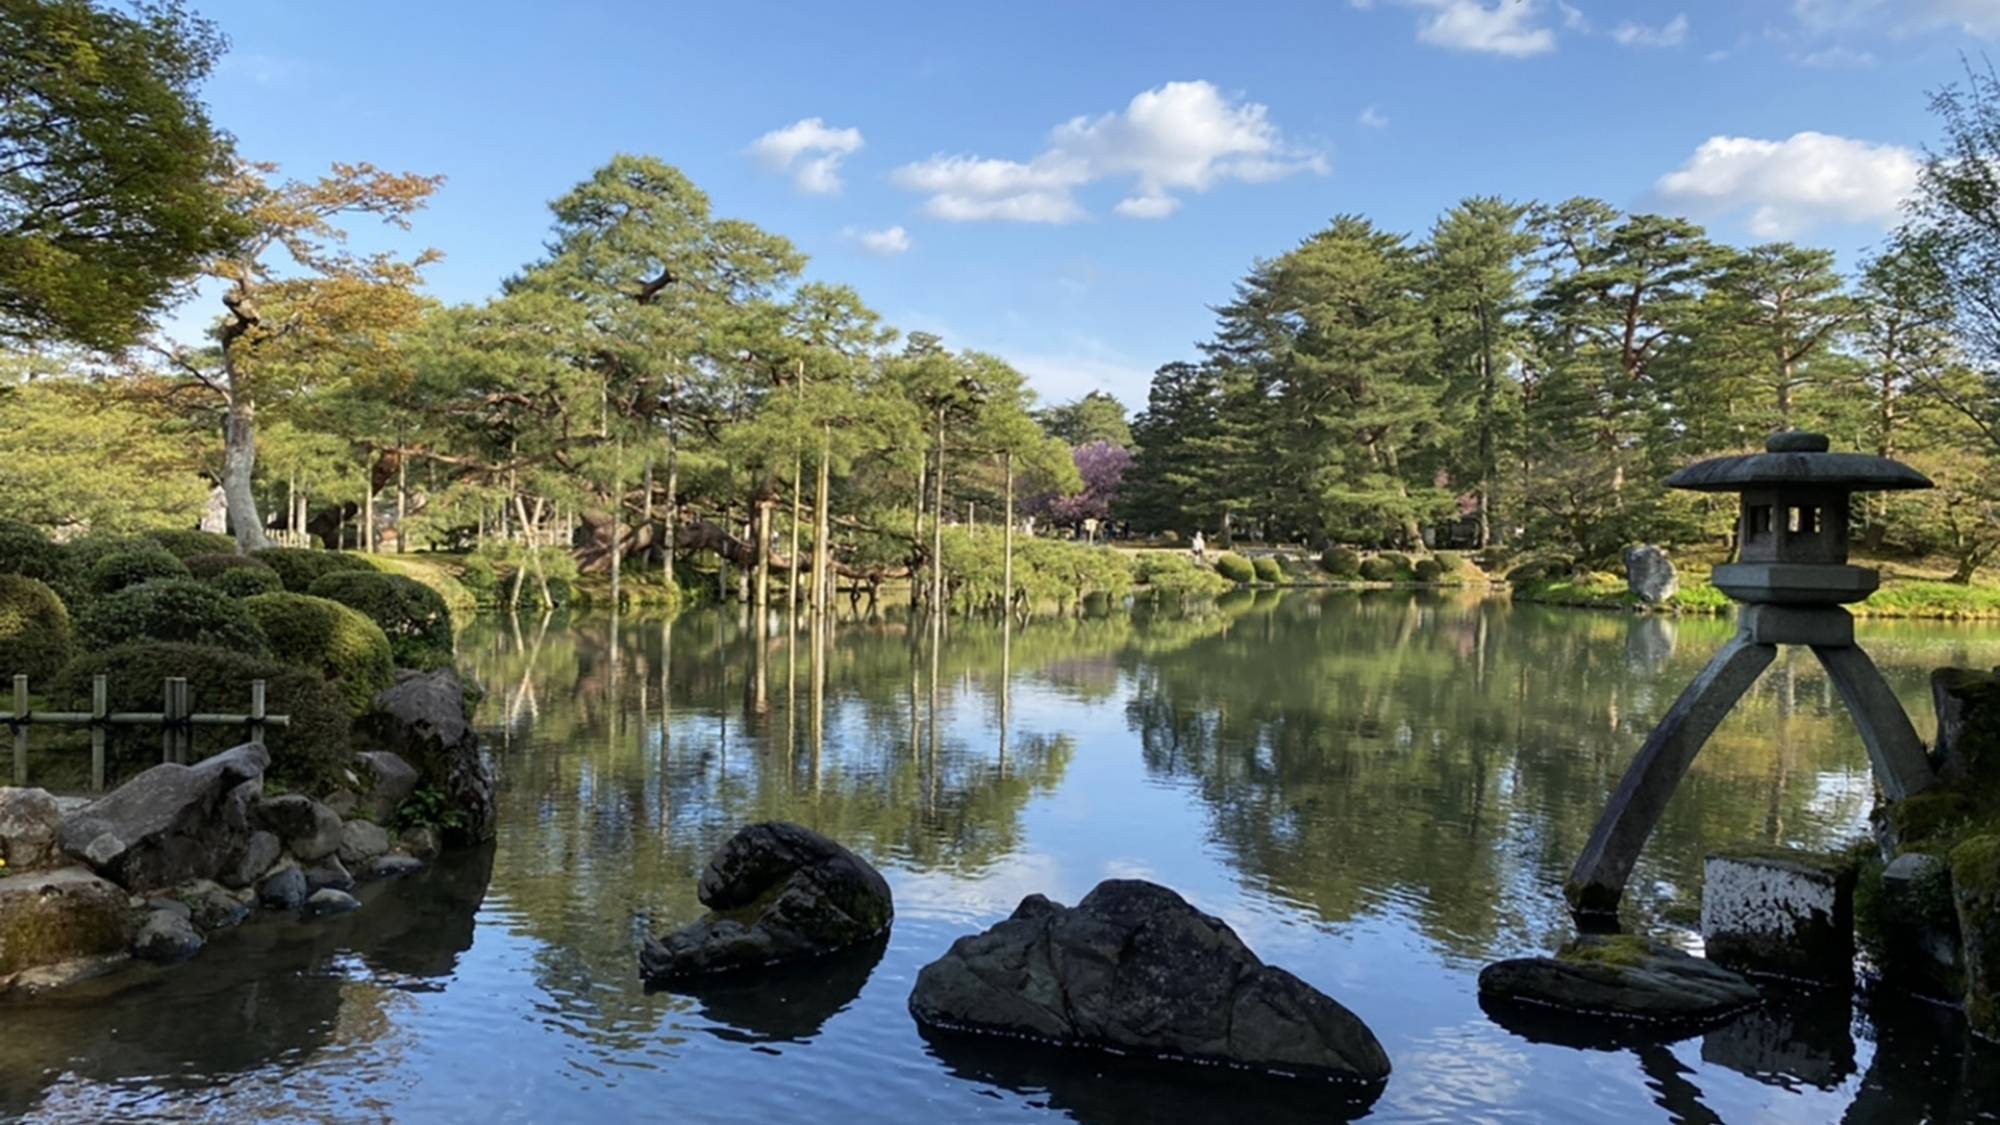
<point>184,544</point>
<point>415,618</point>
<point>308,755</point>
<point>1341,562</point>
<point>1427,570</point>
<point>1380,568</point>
<point>336,642</point>
<point>26,551</point>
<point>300,567</point>
<point>36,638</point>
<point>172,610</point>
<point>1235,567</point>
<point>239,576</point>
<point>121,569</point>
<point>1267,569</point>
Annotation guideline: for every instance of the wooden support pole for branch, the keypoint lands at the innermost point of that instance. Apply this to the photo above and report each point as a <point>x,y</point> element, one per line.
<point>256,710</point>
<point>20,729</point>
<point>100,705</point>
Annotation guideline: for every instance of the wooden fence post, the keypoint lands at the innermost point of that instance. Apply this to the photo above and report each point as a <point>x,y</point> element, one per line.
<point>100,705</point>
<point>21,729</point>
<point>256,710</point>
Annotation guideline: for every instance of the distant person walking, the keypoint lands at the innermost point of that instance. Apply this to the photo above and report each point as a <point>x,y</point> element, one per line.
<point>1200,548</point>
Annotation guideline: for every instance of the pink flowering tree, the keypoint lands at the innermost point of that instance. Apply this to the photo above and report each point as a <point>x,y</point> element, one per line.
<point>1101,464</point>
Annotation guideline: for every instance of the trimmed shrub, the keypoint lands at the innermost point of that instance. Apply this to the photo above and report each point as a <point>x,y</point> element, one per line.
<point>1427,570</point>
<point>171,611</point>
<point>1341,562</point>
<point>1175,575</point>
<point>1267,569</point>
<point>1397,559</point>
<point>36,638</point>
<point>338,643</point>
<point>300,567</point>
<point>142,563</point>
<point>184,544</point>
<point>1379,568</point>
<point>481,579</point>
<point>412,614</point>
<point>307,755</point>
<point>26,551</point>
<point>1235,567</point>
<point>248,581</point>
<point>209,566</point>
<point>1540,569</point>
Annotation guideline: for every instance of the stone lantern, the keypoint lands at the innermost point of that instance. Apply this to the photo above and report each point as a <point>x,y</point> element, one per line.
<point>1792,577</point>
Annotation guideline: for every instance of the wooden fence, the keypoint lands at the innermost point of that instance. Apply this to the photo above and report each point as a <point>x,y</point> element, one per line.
<point>175,719</point>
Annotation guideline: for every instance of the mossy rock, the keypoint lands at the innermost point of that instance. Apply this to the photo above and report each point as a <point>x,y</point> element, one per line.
<point>1975,883</point>
<point>61,915</point>
<point>36,637</point>
<point>1930,820</point>
<point>1268,570</point>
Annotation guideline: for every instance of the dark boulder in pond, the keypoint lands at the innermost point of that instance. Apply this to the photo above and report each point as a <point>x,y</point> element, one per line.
<point>426,721</point>
<point>1620,977</point>
<point>171,823</point>
<point>776,892</point>
<point>1134,968</point>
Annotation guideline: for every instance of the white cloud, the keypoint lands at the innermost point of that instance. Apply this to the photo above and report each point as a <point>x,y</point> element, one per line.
<point>1180,137</point>
<point>1838,58</point>
<point>1573,17</point>
<point>810,150</point>
<point>1373,118</point>
<point>1500,27</point>
<point>1980,18</point>
<point>1790,185</point>
<point>886,243</point>
<point>1671,34</point>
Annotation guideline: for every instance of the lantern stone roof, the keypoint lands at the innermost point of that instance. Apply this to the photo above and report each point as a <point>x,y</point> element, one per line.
<point>1797,459</point>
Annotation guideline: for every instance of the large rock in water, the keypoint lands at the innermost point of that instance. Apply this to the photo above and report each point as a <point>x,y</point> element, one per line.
<point>29,821</point>
<point>1133,967</point>
<point>777,892</point>
<point>171,823</point>
<point>1650,574</point>
<point>426,720</point>
<point>1621,977</point>
<point>48,917</point>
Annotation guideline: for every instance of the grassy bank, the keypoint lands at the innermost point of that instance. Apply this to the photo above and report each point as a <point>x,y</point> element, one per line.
<point>1912,590</point>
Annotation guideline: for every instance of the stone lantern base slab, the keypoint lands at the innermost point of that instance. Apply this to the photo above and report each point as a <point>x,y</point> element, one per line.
<point>1795,583</point>
<point>1780,912</point>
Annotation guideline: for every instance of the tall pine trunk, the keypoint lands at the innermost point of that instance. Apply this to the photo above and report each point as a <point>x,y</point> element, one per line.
<point>937,525</point>
<point>822,529</point>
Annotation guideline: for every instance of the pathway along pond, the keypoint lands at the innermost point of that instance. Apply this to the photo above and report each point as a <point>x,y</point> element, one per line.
<point>1380,792</point>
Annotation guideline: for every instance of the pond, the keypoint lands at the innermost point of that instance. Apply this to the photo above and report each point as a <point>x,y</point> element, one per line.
<point>1379,792</point>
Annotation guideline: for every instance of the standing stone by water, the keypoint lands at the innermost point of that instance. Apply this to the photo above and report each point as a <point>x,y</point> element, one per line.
<point>1650,574</point>
<point>426,721</point>
<point>1133,967</point>
<point>1620,977</point>
<point>171,823</point>
<point>776,892</point>
<point>1782,912</point>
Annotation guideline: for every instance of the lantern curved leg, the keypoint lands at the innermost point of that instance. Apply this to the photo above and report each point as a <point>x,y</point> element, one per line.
<point>1894,749</point>
<point>1598,880</point>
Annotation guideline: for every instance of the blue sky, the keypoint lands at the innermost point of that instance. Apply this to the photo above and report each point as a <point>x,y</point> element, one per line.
<point>1073,185</point>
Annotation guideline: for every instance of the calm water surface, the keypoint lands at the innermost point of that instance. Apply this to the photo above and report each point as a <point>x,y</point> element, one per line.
<point>1378,792</point>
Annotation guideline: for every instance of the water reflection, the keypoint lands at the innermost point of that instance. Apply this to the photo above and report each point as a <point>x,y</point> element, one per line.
<point>1380,793</point>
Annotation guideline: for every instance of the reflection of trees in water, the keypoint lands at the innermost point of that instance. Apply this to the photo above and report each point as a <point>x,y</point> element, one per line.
<point>268,993</point>
<point>1463,747</point>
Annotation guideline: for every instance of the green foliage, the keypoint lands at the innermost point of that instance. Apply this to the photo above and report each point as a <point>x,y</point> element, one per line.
<point>338,643</point>
<point>239,576</point>
<point>171,610</point>
<point>140,563</point>
<point>1235,567</point>
<point>1382,568</point>
<point>1341,562</point>
<point>109,182</point>
<point>1096,416</point>
<point>1267,569</point>
<point>1170,574</point>
<point>1427,570</point>
<point>299,567</point>
<point>308,755</point>
<point>414,617</point>
<point>1540,568</point>
<point>481,579</point>
<point>26,551</point>
<point>36,638</point>
<point>441,579</point>
<point>427,807</point>
<point>1046,571</point>
<point>184,544</point>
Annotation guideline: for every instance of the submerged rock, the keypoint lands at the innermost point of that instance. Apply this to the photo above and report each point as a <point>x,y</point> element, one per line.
<point>61,915</point>
<point>426,721</point>
<point>284,889</point>
<point>166,937</point>
<point>330,901</point>
<point>29,822</point>
<point>171,823</point>
<point>394,866</point>
<point>1133,967</point>
<point>776,892</point>
<point>1620,977</point>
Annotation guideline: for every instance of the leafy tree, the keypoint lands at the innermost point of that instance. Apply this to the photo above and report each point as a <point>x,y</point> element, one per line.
<point>1096,416</point>
<point>108,167</point>
<point>79,456</point>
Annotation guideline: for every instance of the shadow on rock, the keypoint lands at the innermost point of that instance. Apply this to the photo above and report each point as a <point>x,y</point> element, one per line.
<point>785,1003</point>
<point>1102,1088</point>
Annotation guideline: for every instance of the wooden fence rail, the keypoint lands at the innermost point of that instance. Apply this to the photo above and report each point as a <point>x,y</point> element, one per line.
<point>175,719</point>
